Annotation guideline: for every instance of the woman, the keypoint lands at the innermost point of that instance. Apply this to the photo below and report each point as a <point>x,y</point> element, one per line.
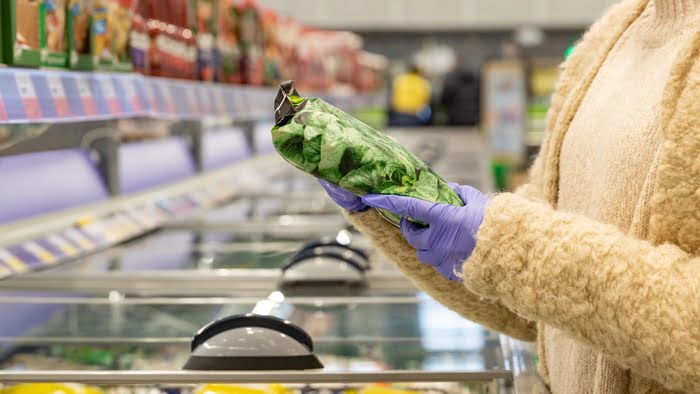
<point>598,257</point>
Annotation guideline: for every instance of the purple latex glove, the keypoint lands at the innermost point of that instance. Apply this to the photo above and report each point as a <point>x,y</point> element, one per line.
<point>449,238</point>
<point>344,198</point>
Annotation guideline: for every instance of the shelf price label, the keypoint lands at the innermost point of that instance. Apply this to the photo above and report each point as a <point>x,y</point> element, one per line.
<point>191,98</point>
<point>167,98</point>
<point>58,94</point>
<point>95,230</point>
<point>240,103</point>
<point>79,239</point>
<point>110,95</point>
<point>3,109</point>
<point>219,101</point>
<point>131,94</point>
<point>27,93</point>
<point>64,246</point>
<point>87,99</point>
<point>150,97</point>
<point>4,271</point>
<point>9,260</point>
<point>104,229</point>
<point>127,226</point>
<point>204,100</point>
<point>39,252</point>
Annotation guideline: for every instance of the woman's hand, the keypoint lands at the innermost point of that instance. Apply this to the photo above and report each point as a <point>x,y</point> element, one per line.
<point>344,198</point>
<point>449,238</point>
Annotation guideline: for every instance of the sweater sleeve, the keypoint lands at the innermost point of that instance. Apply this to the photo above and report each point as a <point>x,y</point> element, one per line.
<point>632,300</point>
<point>532,189</point>
<point>390,241</point>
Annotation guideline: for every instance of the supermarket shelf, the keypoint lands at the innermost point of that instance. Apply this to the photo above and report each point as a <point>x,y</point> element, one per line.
<point>194,377</point>
<point>49,240</point>
<point>46,96</point>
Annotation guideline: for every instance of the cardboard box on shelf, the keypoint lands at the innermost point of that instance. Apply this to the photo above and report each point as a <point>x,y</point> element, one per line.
<point>205,29</point>
<point>81,22</point>
<point>228,41</point>
<point>140,44</point>
<point>54,42</point>
<point>2,41</point>
<point>21,25</point>
<point>120,20</point>
<point>273,53</point>
<point>252,42</point>
<point>172,49</point>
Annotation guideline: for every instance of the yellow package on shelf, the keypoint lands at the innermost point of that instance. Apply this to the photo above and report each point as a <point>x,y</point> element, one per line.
<point>51,388</point>
<point>235,389</point>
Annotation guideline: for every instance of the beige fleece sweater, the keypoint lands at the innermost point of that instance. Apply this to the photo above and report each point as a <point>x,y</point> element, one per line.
<point>599,255</point>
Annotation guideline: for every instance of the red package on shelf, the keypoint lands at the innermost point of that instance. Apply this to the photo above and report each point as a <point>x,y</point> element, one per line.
<point>140,43</point>
<point>228,42</point>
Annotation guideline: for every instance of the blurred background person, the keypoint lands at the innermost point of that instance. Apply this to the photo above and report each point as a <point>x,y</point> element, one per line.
<point>410,99</point>
<point>460,96</point>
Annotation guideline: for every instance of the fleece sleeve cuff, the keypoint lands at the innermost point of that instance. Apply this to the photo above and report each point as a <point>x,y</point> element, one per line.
<point>632,300</point>
<point>390,242</point>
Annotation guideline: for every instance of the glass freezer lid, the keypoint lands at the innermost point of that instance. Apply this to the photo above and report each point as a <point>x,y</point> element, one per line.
<point>202,249</point>
<point>349,333</point>
<point>200,262</point>
<point>314,202</point>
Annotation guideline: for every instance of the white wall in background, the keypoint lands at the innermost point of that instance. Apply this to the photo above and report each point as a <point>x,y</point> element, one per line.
<point>406,15</point>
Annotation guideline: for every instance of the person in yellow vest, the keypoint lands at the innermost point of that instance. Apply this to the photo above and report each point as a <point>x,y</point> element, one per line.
<point>410,102</point>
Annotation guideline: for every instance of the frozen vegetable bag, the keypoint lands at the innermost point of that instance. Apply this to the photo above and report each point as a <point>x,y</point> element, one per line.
<point>329,144</point>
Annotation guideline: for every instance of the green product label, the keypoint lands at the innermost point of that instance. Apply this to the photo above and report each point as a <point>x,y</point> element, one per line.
<point>21,32</point>
<point>53,31</point>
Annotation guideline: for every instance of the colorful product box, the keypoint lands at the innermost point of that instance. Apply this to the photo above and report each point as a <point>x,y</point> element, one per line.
<point>80,33</point>
<point>251,42</point>
<point>2,42</point>
<point>120,20</point>
<point>228,42</point>
<point>140,44</point>
<point>99,34</point>
<point>22,33</point>
<point>172,43</point>
<point>54,42</point>
<point>205,29</point>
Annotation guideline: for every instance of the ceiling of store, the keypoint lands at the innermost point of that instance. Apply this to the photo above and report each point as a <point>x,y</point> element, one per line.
<point>403,15</point>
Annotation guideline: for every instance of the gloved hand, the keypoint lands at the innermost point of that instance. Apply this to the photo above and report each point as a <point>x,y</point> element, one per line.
<point>344,198</point>
<point>449,238</point>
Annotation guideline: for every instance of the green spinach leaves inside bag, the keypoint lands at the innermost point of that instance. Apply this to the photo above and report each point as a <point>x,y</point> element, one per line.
<point>327,143</point>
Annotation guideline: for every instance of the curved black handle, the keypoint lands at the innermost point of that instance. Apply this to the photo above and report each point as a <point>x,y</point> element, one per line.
<point>333,242</point>
<point>252,320</point>
<point>313,253</point>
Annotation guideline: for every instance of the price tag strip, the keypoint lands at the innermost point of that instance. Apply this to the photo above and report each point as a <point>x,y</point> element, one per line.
<point>58,94</point>
<point>94,229</point>
<point>129,102</point>
<point>13,262</point>
<point>167,96</point>
<point>192,100</point>
<point>87,99</point>
<point>4,271</point>
<point>40,252</point>
<point>80,239</point>
<point>27,93</point>
<point>31,95</point>
<point>62,245</point>
<point>110,95</point>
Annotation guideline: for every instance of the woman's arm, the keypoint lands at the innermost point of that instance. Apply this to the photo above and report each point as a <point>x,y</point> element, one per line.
<point>389,240</point>
<point>634,301</point>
